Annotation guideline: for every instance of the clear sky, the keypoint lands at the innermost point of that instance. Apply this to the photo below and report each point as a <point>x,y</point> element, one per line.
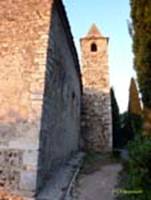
<point>111,18</point>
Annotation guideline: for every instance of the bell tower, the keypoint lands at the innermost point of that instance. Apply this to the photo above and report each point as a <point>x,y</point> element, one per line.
<point>96,113</point>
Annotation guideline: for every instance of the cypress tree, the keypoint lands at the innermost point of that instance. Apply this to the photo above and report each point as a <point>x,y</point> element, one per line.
<point>126,128</point>
<point>141,23</point>
<point>134,109</point>
<point>117,140</point>
<point>134,106</point>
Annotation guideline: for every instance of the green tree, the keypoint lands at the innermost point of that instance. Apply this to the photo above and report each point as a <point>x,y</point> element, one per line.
<point>134,106</point>
<point>141,23</point>
<point>126,128</point>
<point>131,120</point>
<point>136,174</point>
<point>134,109</point>
<point>116,129</point>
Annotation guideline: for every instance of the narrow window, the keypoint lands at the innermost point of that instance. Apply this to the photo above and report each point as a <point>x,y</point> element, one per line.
<point>93,47</point>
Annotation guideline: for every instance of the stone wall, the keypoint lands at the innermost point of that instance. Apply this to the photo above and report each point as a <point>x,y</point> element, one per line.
<point>96,110</point>
<point>37,72</point>
<point>96,121</point>
<point>60,128</point>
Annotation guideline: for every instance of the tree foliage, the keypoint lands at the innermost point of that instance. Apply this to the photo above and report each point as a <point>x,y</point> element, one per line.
<point>134,110</point>
<point>126,128</point>
<point>131,120</point>
<point>116,128</point>
<point>136,174</point>
<point>141,22</point>
<point>134,106</point>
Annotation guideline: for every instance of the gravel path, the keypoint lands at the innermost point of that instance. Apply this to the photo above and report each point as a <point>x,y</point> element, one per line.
<point>98,185</point>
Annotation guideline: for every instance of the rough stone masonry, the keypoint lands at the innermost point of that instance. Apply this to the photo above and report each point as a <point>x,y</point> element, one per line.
<point>96,112</point>
<point>40,93</point>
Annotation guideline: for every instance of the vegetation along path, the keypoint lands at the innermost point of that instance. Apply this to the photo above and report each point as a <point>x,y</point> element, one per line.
<point>98,179</point>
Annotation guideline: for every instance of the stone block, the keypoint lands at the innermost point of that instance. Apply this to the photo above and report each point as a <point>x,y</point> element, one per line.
<point>30,158</point>
<point>9,178</point>
<point>28,180</point>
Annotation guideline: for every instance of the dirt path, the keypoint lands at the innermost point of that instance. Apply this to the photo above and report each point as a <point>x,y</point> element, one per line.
<point>99,185</point>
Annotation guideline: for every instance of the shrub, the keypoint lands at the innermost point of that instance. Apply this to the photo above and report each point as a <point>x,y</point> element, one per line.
<point>137,170</point>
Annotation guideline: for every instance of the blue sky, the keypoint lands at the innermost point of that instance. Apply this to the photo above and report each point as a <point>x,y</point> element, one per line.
<point>111,18</point>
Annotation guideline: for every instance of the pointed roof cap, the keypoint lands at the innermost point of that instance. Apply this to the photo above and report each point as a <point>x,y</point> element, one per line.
<point>94,31</point>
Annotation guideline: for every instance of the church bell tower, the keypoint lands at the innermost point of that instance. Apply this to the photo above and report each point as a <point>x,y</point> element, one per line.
<point>96,111</point>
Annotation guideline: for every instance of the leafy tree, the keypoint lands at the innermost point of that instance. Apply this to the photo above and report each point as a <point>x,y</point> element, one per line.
<point>141,23</point>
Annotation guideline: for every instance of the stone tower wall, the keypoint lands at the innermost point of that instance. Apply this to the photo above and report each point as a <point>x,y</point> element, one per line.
<point>39,92</point>
<point>96,112</point>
